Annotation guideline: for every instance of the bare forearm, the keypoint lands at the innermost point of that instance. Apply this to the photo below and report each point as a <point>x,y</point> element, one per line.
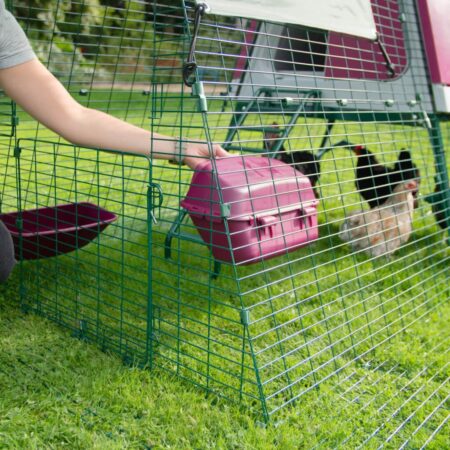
<point>96,129</point>
<point>43,96</point>
<point>39,93</point>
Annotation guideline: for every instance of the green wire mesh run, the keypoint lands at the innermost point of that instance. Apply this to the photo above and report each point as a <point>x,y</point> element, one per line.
<point>281,328</point>
<point>280,331</point>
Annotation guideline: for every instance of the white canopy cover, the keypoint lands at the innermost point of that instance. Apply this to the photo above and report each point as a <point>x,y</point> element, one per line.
<point>353,17</point>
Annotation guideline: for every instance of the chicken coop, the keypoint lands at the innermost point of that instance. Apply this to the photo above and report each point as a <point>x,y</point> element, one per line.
<point>235,276</point>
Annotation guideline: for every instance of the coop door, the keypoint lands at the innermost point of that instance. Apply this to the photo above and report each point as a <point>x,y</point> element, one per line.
<point>337,55</point>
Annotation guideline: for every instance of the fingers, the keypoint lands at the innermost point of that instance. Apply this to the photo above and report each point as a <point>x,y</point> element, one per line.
<point>219,152</point>
<point>197,154</point>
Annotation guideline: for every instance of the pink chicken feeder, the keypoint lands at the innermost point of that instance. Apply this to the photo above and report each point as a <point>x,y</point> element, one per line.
<point>248,209</point>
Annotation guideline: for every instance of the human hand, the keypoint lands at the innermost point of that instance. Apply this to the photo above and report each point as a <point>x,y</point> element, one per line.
<point>197,153</point>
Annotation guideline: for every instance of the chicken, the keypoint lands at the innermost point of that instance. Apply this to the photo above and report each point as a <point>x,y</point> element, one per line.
<point>375,182</point>
<point>304,161</point>
<point>383,229</point>
<point>404,170</point>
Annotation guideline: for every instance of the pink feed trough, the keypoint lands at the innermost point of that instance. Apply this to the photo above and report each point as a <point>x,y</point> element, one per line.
<point>53,231</point>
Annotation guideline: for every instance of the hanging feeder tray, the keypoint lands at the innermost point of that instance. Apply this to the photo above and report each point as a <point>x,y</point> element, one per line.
<point>52,231</point>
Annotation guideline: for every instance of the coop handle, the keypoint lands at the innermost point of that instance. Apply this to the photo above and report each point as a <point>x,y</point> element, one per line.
<point>190,65</point>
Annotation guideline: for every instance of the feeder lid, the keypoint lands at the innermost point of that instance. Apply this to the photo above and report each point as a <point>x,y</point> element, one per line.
<point>249,186</point>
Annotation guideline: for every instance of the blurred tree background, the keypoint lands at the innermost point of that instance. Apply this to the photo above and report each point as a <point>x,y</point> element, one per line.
<point>121,41</point>
<point>88,34</point>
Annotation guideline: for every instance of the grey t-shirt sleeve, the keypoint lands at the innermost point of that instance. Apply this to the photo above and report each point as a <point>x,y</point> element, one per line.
<point>14,46</point>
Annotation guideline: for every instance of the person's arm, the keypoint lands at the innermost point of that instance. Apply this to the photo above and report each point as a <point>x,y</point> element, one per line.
<point>39,93</point>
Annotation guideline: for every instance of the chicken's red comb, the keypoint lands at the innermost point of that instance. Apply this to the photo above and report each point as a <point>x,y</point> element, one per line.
<point>358,149</point>
<point>411,184</point>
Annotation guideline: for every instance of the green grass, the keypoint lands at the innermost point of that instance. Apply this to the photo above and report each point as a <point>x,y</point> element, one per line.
<point>58,391</point>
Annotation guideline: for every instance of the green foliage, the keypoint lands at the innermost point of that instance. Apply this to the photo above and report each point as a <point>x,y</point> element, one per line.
<point>92,36</point>
<point>84,34</point>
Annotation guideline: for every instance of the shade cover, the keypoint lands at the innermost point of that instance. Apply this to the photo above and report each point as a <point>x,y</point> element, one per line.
<point>353,17</point>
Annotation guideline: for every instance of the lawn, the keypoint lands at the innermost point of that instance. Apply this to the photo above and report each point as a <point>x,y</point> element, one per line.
<point>57,391</point>
<point>386,330</point>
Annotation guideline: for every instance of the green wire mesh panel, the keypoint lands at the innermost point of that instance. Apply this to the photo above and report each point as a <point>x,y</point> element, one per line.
<point>307,320</point>
<point>317,319</point>
<point>83,241</point>
<point>8,121</point>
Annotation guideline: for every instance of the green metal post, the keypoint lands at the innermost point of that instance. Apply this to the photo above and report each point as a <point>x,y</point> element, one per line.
<point>442,195</point>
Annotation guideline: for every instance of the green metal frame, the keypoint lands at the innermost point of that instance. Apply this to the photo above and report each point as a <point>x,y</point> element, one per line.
<point>271,100</point>
<point>7,130</point>
<point>175,232</point>
<point>8,118</point>
<point>440,200</point>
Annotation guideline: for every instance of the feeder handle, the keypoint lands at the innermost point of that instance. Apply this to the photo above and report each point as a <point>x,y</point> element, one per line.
<point>190,65</point>
<point>151,197</point>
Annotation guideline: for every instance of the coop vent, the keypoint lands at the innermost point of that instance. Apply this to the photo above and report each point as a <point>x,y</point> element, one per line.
<point>353,17</point>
